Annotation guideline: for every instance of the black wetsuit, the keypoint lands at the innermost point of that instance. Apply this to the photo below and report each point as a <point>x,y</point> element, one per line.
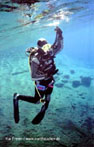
<point>47,92</point>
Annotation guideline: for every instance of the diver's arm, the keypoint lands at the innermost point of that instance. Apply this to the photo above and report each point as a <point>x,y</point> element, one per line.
<point>34,71</point>
<point>58,44</point>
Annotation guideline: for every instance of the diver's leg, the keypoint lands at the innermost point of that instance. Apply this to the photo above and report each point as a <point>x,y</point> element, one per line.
<point>45,105</point>
<point>31,99</point>
<point>47,99</point>
<point>38,118</point>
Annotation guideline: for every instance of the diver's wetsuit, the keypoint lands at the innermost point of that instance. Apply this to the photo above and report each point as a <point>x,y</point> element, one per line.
<point>40,79</point>
<point>47,92</point>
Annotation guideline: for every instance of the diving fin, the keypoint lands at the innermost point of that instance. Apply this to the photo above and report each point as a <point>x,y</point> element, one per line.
<point>16,108</point>
<point>38,118</point>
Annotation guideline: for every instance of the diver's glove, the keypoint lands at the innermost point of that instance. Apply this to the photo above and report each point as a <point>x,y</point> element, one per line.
<point>59,32</point>
<point>30,50</point>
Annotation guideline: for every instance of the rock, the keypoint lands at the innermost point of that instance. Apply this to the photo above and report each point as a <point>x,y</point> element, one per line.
<point>76,84</point>
<point>59,85</point>
<point>86,81</point>
<point>81,94</point>
<point>72,71</point>
<point>66,76</point>
<point>64,81</point>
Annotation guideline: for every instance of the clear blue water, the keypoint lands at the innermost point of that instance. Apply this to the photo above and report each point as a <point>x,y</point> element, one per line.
<point>20,29</point>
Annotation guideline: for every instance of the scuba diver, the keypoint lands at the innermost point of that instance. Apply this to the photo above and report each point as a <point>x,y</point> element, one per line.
<point>43,69</point>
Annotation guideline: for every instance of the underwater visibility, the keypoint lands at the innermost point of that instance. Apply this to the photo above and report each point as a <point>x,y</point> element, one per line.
<point>69,119</point>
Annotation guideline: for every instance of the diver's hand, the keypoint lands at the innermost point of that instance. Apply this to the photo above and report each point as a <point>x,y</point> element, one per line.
<point>58,30</point>
<point>28,50</point>
<point>58,33</point>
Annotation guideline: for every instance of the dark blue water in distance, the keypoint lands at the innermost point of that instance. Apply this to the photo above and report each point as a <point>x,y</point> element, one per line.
<point>69,120</point>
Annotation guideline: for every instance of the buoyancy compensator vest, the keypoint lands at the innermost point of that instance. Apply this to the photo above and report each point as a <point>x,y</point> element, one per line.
<point>46,62</point>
